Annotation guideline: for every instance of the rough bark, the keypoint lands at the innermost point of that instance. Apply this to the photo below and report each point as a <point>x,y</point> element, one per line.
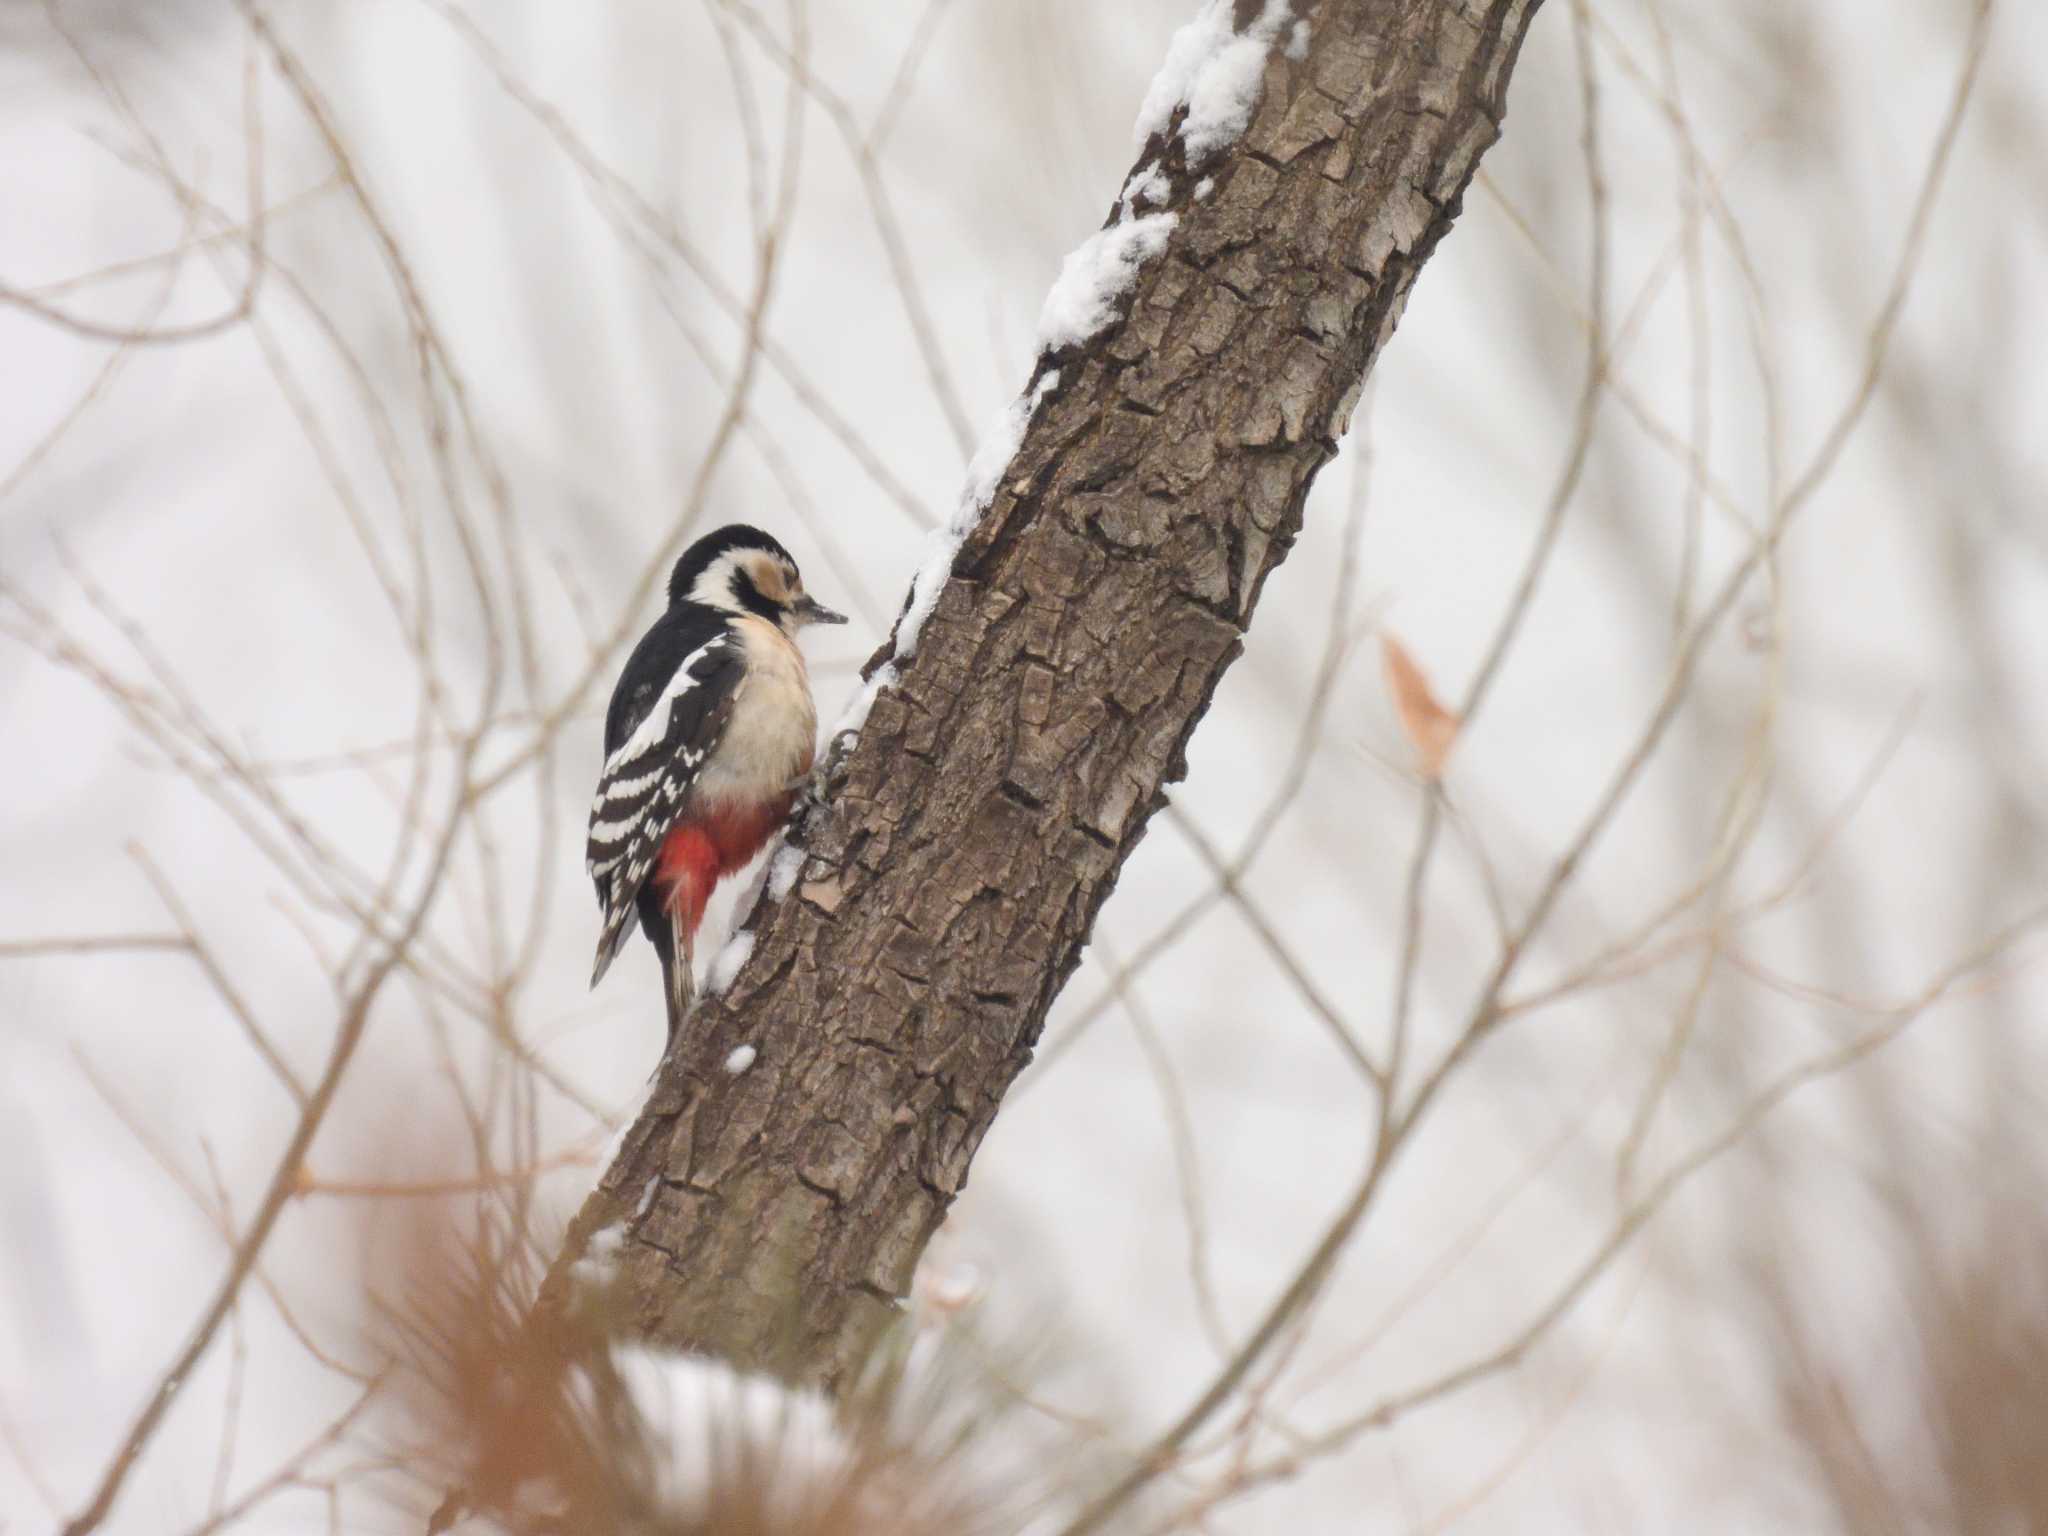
<point>974,831</point>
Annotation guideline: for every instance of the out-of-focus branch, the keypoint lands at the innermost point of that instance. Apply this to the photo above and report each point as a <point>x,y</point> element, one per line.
<point>641,221</point>
<point>282,1187</point>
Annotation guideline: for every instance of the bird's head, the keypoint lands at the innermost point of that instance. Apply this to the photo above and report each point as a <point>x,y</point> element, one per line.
<point>743,570</point>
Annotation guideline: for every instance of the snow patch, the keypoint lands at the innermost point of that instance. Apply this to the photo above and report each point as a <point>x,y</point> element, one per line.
<point>999,445</point>
<point>1097,274</point>
<point>1297,42</point>
<point>992,455</point>
<point>593,1271</point>
<point>783,870</point>
<point>1148,183</point>
<point>725,965</point>
<point>757,884</point>
<point>647,1194</point>
<point>1216,72</point>
<point>741,1059</point>
<point>1204,187</point>
<point>937,565</point>
<point>935,1450</point>
<point>719,1426</point>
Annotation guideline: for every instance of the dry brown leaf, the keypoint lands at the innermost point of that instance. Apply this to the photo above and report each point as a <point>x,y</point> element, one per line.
<point>1430,728</point>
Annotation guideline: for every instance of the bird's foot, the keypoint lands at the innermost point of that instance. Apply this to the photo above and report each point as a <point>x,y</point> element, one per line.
<point>815,787</point>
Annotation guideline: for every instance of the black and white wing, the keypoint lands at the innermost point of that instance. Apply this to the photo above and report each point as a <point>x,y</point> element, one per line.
<point>666,717</point>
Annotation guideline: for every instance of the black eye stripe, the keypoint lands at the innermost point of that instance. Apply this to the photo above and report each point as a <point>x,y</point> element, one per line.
<point>750,597</point>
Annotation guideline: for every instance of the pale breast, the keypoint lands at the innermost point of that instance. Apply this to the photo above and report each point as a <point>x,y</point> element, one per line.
<point>768,743</point>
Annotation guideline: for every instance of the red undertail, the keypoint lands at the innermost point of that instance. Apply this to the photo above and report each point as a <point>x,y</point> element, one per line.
<point>700,852</point>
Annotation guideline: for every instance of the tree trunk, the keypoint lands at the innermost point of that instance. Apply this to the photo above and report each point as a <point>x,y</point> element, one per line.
<point>774,1216</point>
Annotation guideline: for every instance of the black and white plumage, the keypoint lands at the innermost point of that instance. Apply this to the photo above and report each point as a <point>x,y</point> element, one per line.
<point>710,731</point>
<point>667,715</point>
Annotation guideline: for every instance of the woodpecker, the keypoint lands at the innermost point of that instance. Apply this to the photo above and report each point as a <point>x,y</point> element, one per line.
<point>710,733</point>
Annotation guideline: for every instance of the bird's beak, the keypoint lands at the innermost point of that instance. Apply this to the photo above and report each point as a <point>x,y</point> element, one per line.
<point>810,611</point>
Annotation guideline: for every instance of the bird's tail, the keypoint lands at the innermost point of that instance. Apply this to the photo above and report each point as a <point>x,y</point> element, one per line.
<point>677,978</point>
<point>610,941</point>
<point>681,977</point>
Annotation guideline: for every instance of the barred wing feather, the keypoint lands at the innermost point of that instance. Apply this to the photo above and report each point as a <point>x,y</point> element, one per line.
<point>660,730</point>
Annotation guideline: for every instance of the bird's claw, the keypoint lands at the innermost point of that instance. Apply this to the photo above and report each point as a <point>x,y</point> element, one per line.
<point>816,785</point>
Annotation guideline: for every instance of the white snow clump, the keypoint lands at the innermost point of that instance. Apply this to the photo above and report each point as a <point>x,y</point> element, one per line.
<point>721,1426</point>
<point>1148,182</point>
<point>998,446</point>
<point>1084,296</point>
<point>725,965</point>
<point>783,869</point>
<point>593,1271</point>
<point>1217,72</point>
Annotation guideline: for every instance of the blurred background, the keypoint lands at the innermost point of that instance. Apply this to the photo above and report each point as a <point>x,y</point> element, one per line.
<point>361,370</point>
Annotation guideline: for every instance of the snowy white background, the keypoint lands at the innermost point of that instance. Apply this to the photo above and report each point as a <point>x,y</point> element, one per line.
<point>1913,589</point>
